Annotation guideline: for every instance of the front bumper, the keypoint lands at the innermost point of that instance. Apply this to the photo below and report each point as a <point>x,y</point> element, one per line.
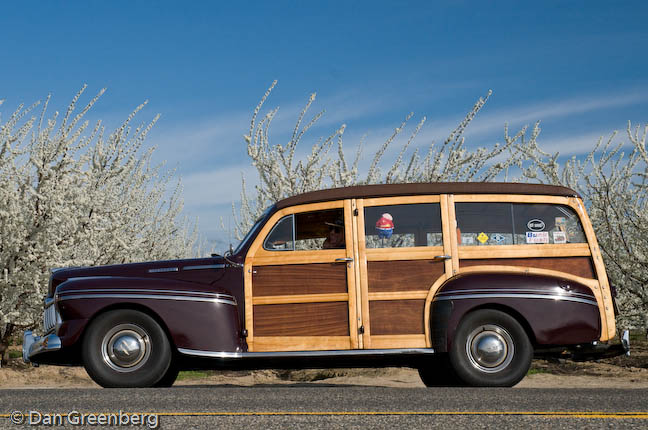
<point>36,345</point>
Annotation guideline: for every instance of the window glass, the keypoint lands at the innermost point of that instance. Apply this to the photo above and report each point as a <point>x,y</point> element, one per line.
<point>484,224</point>
<point>308,231</point>
<point>281,236</point>
<point>398,226</point>
<point>516,224</point>
<point>544,223</point>
<point>320,230</point>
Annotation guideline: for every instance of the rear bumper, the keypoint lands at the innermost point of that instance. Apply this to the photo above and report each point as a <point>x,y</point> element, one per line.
<point>36,345</point>
<point>599,350</point>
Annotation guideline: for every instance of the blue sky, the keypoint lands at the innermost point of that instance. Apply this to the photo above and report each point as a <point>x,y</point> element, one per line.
<point>579,67</point>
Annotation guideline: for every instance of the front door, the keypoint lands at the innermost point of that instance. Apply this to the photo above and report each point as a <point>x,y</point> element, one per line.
<point>403,256</point>
<point>300,281</point>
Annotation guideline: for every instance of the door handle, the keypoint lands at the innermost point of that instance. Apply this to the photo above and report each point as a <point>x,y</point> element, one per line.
<point>443,257</point>
<point>343,260</point>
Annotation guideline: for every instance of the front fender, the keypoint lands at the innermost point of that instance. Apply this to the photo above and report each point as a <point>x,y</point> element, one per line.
<point>553,310</point>
<point>195,316</point>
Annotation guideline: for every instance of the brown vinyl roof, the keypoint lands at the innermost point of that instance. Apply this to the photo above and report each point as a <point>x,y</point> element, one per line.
<point>390,190</point>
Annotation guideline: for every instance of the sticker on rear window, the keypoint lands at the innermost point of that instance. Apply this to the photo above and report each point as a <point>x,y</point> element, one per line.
<point>537,237</point>
<point>559,237</point>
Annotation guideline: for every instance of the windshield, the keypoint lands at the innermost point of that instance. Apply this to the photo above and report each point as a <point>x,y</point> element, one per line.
<point>253,230</point>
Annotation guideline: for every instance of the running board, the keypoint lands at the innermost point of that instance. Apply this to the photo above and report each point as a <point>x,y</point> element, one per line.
<point>226,355</point>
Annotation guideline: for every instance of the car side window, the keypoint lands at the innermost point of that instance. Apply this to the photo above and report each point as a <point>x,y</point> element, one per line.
<point>400,226</point>
<point>517,224</point>
<point>308,231</point>
<point>281,236</point>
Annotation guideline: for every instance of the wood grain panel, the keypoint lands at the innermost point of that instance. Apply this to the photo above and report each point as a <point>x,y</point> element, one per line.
<point>579,266</point>
<point>386,276</point>
<point>398,341</point>
<point>302,343</point>
<point>396,317</point>
<point>306,319</point>
<point>299,279</point>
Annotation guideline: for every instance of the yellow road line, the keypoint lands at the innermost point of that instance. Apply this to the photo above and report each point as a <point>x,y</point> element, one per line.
<point>545,414</point>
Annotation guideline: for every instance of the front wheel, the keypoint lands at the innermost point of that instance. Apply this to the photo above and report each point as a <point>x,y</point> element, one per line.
<point>491,348</point>
<point>126,348</point>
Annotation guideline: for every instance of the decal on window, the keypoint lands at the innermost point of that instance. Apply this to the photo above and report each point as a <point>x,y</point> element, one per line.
<point>559,237</point>
<point>537,237</point>
<point>482,237</point>
<point>498,238</point>
<point>536,225</point>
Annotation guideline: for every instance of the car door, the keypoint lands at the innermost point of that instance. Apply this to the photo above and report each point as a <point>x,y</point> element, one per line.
<point>300,281</point>
<point>404,255</point>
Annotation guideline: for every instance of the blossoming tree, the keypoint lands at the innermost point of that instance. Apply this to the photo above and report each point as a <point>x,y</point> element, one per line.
<point>76,195</point>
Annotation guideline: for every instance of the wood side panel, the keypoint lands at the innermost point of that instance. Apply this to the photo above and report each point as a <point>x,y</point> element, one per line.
<point>306,319</point>
<point>524,251</point>
<point>579,266</point>
<point>396,317</point>
<point>387,276</point>
<point>302,343</point>
<point>399,341</point>
<point>299,279</point>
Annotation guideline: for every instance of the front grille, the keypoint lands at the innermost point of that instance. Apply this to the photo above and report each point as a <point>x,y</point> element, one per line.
<point>50,318</point>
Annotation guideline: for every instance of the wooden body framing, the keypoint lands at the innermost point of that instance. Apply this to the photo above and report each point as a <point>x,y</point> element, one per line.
<point>381,297</point>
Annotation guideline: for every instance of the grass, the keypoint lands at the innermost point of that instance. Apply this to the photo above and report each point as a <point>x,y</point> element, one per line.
<point>536,371</point>
<point>15,354</point>
<point>194,374</point>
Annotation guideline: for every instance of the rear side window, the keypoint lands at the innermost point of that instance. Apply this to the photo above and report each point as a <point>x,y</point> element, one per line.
<point>517,224</point>
<point>399,226</point>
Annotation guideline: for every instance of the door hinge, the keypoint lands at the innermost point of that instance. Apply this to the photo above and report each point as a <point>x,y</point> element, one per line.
<point>355,212</point>
<point>361,330</point>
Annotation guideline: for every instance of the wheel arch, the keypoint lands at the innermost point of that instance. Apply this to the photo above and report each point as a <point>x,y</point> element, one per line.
<point>130,306</point>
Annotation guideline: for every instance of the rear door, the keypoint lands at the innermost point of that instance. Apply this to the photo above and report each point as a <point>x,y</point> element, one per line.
<point>402,254</point>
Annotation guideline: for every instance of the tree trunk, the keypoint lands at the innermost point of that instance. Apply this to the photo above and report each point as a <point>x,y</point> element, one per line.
<point>4,344</point>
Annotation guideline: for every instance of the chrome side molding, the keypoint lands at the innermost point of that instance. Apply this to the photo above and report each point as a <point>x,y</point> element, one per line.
<point>227,355</point>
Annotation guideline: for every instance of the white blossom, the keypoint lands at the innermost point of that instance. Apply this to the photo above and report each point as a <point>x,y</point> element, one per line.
<point>75,195</point>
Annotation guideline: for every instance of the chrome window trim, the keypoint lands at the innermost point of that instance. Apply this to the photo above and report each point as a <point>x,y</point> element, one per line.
<point>148,296</point>
<point>297,354</point>
<point>517,296</point>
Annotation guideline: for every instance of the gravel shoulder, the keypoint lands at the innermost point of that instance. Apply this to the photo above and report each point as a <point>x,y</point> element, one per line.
<point>617,372</point>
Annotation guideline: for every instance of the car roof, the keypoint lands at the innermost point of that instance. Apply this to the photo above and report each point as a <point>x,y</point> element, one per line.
<point>391,190</point>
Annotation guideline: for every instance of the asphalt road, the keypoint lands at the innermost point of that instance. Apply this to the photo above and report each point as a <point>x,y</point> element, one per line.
<point>321,406</point>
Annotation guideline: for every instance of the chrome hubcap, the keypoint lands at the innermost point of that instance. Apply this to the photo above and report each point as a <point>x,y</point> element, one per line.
<point>490,348</point>
<point>125,348</point>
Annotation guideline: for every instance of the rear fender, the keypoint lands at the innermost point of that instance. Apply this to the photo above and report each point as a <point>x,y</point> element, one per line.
<point>553,310</point>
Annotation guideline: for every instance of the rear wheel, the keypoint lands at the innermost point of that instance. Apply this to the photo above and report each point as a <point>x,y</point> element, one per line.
<point>126,348</point>
<point>436,371</point>
<point>491,348</point>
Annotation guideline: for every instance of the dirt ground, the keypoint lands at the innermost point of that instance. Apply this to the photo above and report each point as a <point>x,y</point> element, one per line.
<point>617,372</point>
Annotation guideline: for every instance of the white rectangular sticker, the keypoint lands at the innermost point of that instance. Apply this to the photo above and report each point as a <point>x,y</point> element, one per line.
<point>467,240</point>
<point>559,237</point>
<point>537,237</point>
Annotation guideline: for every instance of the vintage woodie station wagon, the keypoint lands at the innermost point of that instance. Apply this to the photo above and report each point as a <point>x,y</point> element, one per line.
<point>464,281</point>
